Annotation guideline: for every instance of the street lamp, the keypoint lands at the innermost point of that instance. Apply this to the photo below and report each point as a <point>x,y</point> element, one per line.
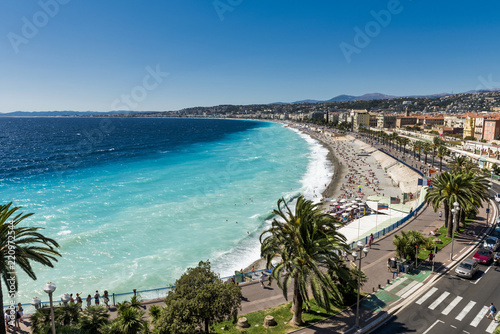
<point>49,288</point>
<point>36,301</point>
<point>490,184</point>
<point>454,212</point>
<point>357,254</point>
<point>65,297</point>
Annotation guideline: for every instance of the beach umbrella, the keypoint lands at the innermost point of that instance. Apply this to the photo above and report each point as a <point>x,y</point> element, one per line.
<point>343,200</point>
<point>345,214</point>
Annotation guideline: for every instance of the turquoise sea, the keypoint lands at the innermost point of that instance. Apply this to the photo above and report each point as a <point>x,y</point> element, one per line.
<point>134,202</point>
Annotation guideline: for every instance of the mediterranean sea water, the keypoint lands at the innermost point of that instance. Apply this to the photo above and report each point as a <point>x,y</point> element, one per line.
<point>133,202</point>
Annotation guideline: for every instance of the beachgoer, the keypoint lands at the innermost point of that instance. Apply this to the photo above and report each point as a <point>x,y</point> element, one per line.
<point>493,310</point>
<point>6,317</point>
<point>79,301</point>
<point>96,297</point>
<point>105,298</point>
<point>370,240</point>
<point>262,279</point>
<point>21,311</point>
<point>88,300</point>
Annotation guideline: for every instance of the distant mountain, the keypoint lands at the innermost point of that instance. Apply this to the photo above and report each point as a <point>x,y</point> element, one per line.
<point>64,113</point>
<point>346,98</point>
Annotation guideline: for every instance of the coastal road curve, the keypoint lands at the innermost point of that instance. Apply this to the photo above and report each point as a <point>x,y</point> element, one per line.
<point>451,305</point>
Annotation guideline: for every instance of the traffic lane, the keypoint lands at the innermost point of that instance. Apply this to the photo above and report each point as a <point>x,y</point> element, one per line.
<point>420,318</point>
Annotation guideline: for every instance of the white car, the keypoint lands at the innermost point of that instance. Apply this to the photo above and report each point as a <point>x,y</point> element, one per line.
<point>497,198</point>
<point>491,243</point>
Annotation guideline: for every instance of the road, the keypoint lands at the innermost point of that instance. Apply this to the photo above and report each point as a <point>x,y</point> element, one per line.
<point>452,305</point>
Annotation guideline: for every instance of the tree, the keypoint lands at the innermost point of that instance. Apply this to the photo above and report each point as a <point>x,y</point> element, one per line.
<point>447,188</point>
<point>426,147</point>
<point>436,143</point>
<point>309,247</point>
<point>200,297</point>
<point>406,242</point>
<point>461,164</point>
<point>442,151</point>
<point>94,319</point>
<point>21,245</point>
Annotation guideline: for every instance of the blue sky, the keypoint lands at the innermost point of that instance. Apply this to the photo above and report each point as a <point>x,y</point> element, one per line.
<point>172,54</point>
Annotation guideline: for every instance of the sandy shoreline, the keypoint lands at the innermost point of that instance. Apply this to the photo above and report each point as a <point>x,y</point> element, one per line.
<point>395,178</point>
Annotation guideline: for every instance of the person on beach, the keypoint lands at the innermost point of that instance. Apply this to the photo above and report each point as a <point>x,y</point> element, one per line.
<point>89,300</point>
<point>105,298</point>
<point>79,301</point>
<point>20,311</point>
<point>96,297</point>
<point>262,279</point>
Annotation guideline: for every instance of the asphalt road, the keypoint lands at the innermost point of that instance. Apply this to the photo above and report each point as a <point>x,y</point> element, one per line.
<point>452,305</point>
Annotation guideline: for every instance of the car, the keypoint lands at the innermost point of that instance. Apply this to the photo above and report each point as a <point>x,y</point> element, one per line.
<point>497,197</point>
<point>483,256</point>
<point>467,268</point>
<point>491,243</point>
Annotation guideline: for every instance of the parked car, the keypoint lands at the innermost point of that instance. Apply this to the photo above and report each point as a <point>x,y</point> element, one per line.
<point>483,256</point>
<point>497,198</point>
<point>467,268</point>
<point>491,243</point>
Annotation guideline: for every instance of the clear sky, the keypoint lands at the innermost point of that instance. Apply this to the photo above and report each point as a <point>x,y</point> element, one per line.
<point>171,54</point>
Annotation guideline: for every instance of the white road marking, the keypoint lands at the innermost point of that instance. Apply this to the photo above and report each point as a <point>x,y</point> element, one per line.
<point>484,273</point>
<point>427,295</point>
<point>466,310</point>
<point>439,300</point>
<point>434,324</point>
<point>462,249</point>
<point>412,291</point>
<point>396,283</point>
<point>479,316</point>
<point>492,327</point>
<point>452,305</point>
<point>406,288</point>
<point>453,326</point>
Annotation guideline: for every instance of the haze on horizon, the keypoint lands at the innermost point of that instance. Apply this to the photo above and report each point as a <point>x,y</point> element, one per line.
<point>155,55</point>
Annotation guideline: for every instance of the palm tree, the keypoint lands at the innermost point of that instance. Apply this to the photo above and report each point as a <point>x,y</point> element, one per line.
<point>436,143</point>
<point>426,147</point>
<point>309,247</point>
<point>405,244</point>
<point>442,151</point>
<point>462,164</point>
<point>22,245</point>
<point>404,141</point>
<point>129,321</point>
<point>448,188</point>
<point>416,147</point>
<point>94,319</point>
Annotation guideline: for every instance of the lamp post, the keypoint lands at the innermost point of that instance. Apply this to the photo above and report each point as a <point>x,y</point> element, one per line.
<point>454,212</point>
<point>65,297</point>
<point>490,184</point>
<point>49,288</point>
<point>357,254</point>
<point>36,301</point>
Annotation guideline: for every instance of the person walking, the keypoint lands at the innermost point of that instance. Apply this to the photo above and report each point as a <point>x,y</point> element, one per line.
<point>493,311</point>
<point>389,268</point>
<point>262,279</point>
<point>370,240</point>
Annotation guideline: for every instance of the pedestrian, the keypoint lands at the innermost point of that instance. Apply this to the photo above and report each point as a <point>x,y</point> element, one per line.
<point>370,240</point>
<point>105,298</point>
<point>262,279</point>
<point>96,297</point>
<point>389,268</point>
<point>79,301</point>
<point>18,318</point>
<point>431,256</point>
<point>88,300</point>
<point>440,214</point>
<point>21,311</point>
<point>493,310</point>
<point>71,299</point>
<point>6,317</point>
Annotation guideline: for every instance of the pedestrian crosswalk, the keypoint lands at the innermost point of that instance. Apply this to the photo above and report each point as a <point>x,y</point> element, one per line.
<point>458,308</point>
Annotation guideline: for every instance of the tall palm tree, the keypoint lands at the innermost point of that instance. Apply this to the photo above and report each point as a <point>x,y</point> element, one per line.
<point>21,245</point>
<point>442,152</point>
<point>416,148</point>
<point>309,247</point>
<point>447,188</point>
<point>436,143</point>
<point>426,147</point>
<point>462,164</point>
<point>404,141</point>
<point>94,319</point>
